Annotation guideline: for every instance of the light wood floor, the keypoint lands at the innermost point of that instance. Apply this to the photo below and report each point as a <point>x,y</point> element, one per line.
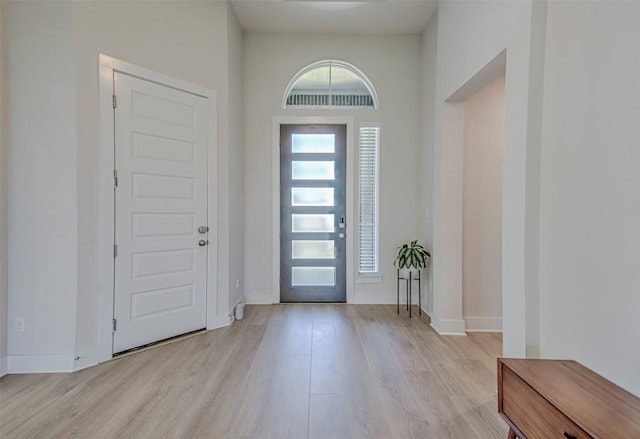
<point>285,371</point>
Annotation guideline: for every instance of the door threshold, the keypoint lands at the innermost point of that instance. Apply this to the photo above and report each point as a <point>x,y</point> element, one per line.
<point>155,344</point>
<point>337,302</point>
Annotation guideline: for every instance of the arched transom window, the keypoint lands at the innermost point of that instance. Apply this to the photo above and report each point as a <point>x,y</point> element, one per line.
<point>330,84</point>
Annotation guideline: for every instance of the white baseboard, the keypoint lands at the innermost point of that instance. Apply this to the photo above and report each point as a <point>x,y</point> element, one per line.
<point>220,322</point>
<point>449,326</point>
<point>483,324</point>
<point>356,299</point>
<point>383,299</point>
<point>40,363</point>
<point>374,299</point>
<point>3,366</point>
<point>261,299</point>
<point>232,311</point>
<point>84,362</point>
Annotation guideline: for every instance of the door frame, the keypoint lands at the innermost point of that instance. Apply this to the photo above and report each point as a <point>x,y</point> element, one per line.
<point>349,199</point>
<point>108,66</point>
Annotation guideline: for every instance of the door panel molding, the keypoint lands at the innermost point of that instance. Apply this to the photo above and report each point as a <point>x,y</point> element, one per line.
<point>108,66</point>
<point>349,203</point>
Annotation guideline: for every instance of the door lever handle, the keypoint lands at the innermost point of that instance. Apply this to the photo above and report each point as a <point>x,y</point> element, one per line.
<point>203,242</point>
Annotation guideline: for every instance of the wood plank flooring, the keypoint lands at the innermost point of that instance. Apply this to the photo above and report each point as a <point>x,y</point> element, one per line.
<point>285,371</point>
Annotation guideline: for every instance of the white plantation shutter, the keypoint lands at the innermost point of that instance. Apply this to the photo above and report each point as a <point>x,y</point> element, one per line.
<point>299,99</point>
<point>368,199</point>
<point>330,84</point>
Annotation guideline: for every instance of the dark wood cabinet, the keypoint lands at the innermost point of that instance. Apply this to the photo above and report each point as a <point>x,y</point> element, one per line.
<point>542,399</point>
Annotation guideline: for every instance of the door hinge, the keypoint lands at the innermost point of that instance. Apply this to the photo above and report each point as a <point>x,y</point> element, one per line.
<point>115,325</point>
<point>115,104</point>
<point>115,250</point>
<point>115,178</point>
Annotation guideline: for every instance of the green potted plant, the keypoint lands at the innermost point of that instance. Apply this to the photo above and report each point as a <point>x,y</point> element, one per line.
<point>411,257</point>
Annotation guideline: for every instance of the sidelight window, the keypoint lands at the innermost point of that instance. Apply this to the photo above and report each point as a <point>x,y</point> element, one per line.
<point>368,199</point>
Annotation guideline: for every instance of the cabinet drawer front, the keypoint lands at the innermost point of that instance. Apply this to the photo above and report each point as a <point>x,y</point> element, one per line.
<point>534,416</point>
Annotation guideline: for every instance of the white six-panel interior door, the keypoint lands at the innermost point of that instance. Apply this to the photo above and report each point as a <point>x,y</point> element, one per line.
<point>161,232</point>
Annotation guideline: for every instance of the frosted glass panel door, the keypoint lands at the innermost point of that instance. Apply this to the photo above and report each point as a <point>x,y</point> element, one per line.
<point>312,213</point>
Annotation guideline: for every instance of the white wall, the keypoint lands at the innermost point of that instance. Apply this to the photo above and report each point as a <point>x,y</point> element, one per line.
<point>4,286</point>
<point>532,183</point>
<point>571,210</point>
<point>186,40</point>
<point>428,84</point>
<point>236,159</point>
<point>42,184</point>
<point>52,60</point>
<point>482,208</point>
<point>590,205</point>
<point>392,63</point>
<point>471,35</point>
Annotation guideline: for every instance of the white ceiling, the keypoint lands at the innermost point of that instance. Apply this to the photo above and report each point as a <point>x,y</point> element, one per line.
<point>339,16</point>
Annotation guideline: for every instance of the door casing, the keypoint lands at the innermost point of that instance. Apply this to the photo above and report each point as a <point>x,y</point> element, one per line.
<point>108,66</point>
<point>350,200</point>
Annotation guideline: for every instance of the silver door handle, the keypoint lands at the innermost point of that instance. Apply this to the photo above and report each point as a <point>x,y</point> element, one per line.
<point>203,229</point>
<point>203,242</point>
<point>341,235</point>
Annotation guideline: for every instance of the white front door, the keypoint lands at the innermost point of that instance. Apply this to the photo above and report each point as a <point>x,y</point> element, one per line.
<point>160,212</point>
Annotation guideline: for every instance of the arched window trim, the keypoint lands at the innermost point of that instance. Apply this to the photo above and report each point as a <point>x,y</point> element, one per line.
<point>331,62</point>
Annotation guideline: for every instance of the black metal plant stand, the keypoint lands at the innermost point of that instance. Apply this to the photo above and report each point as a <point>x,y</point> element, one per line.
<point>408,288</point>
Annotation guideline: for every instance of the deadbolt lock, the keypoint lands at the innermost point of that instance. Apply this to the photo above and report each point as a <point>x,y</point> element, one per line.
<point>203,229</point>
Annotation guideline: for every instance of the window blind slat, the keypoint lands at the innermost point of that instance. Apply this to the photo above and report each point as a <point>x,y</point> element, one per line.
<point>322,99</point>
